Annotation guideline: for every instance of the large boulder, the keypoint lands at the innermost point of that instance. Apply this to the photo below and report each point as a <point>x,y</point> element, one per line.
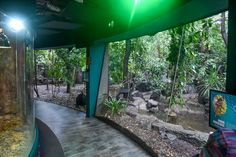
<point>145,121</point>
<point>131,111</point>
<point>144,87</point>
<point>153,103</point>
<point>139,103</point>
<point>147,95</point>
<point>136,94</point>
<point>196,138</point>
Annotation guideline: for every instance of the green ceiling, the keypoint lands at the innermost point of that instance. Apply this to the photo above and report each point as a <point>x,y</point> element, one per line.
<point>61,23</point>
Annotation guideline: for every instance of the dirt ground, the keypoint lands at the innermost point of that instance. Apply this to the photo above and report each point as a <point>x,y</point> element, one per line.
<point>59,96</point>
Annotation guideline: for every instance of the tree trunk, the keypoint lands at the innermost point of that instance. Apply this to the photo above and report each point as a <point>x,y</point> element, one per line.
<point>47,84</point>
<point>35,76</point>
<point>70,79</point>
<point>126,61</point>
<point>68,87</point>
<point>73,77</point>
<point>36,91</point>
<point>223,28</point>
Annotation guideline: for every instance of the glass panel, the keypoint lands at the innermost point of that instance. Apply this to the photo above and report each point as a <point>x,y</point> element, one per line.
<point>16,106</point>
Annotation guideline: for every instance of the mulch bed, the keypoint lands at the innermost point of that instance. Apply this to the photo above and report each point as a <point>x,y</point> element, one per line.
<point>155,144</point>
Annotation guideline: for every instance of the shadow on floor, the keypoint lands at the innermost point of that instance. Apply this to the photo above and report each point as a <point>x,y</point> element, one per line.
<point>49,144</point>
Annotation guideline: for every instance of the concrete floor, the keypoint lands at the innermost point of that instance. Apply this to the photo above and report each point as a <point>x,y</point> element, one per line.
<point>85,137</point>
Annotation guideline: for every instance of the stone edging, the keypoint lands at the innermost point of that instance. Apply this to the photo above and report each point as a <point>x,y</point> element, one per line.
<point>129,134</point>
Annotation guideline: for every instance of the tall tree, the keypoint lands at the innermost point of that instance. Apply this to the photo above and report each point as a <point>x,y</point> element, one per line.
<point>223,28</point>
<point>70,58</point>
<point>126,61</point>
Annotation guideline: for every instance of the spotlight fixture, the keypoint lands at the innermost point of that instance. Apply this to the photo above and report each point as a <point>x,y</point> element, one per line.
<point>16,24</point>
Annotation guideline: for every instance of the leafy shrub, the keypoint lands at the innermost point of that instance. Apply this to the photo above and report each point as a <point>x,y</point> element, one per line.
<point>115,106</point>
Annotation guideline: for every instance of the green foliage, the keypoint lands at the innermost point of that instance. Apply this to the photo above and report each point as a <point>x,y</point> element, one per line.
<point>153,58</point>
<point>62,64</point>
<point>116,52</point>
<point>115,106</point>
<point>70,59</point>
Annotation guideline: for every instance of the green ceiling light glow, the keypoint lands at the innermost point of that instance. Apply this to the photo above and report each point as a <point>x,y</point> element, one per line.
<point>133,11</point>
<point>111,24</point>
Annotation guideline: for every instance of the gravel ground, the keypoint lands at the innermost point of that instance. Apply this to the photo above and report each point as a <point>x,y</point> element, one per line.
<point>162,145</point>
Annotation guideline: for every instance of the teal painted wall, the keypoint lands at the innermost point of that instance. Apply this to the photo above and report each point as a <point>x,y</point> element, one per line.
<point>231,55</point>
<point>96,56</point>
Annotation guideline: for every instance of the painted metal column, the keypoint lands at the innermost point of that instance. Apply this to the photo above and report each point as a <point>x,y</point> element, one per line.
<point>231,55</point>
<point>95,57</point>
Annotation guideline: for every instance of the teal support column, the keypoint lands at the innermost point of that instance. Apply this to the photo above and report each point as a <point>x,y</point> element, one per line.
<point>231,55</point>
<point>95,57</point>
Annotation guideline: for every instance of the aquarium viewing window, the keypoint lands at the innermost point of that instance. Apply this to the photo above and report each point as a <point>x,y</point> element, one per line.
<point>222,110</point>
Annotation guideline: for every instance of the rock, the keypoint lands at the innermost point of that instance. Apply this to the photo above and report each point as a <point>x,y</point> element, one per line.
<point>171,136</point>
<point>172,114</point>
<point>160,126</point>
<point>142,106</point>
<point>147,95</point>
<point>149,105</point>
<point>153,103</point>
<point>183,110</point>
<point>139,103</point>
<point>162,133</point>
<point>138,99</point>
<point>203,99</point>
<point>131,111</point>
<point>156,95</point>
<point>146,121</point>
<point>190,88</point>
<point>137,94</point>
<point>206,108</point>
<point>167,110</point>
<point>123,94</point>
<point>196,138</point>
<point>144,87</point>
<point>153,110</point>
<point>172,117</point>
<point>166,93</point>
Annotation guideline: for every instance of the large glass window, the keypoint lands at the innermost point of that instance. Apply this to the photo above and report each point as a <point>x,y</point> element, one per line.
<point>16,106</point>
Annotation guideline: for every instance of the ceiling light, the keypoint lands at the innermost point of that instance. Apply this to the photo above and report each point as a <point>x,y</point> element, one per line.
<point>16,25</point>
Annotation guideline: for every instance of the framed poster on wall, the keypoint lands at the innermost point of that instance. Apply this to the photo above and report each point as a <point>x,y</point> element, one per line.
<point>222,110</point>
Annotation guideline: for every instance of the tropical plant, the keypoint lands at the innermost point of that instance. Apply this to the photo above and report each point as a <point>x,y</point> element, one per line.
<point>115,106</point>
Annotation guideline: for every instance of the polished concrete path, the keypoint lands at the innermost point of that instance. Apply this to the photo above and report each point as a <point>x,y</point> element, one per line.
<point>85,137</point>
